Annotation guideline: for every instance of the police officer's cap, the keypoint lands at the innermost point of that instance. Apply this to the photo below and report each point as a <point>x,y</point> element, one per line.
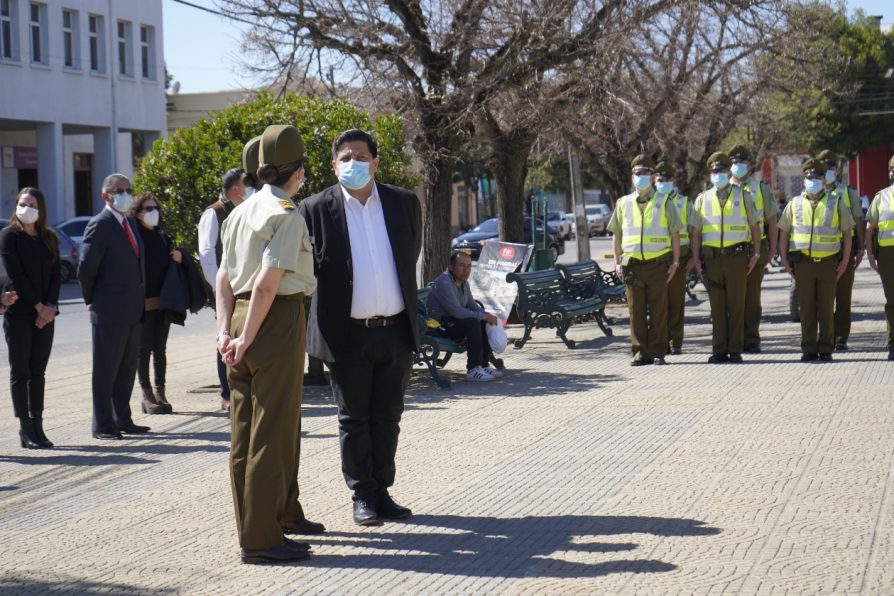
<point>827,157</point>
<point>642,162</point>
<point>281,144</point>
<point>665,168</point>
<point>739,152</point>
<point>815,166</point>
<point>719,161</point>
<point>250,155</point>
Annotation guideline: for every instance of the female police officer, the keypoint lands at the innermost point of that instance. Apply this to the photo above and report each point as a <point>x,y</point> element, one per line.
<point>266,270</point>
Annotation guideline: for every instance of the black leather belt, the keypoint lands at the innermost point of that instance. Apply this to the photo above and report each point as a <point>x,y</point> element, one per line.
<point>294,297</point>
<point>820,259</point>
<point>378,321</point>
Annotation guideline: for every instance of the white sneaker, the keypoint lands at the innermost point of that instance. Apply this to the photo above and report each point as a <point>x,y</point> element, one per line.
<point>494,372</point>
<point>479,374</point>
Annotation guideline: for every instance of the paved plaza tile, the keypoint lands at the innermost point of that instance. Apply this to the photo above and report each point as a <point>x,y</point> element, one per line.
<point>576,473</point>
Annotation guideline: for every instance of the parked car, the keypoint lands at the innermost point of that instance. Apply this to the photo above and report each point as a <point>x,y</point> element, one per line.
<point>74,227</point>
<point>68,254</point>
<point>598,217</point>
<point>472,241</point>
<point>563,222</point>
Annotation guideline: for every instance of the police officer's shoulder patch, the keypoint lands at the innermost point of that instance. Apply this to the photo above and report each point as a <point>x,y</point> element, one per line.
<point>287,205</point>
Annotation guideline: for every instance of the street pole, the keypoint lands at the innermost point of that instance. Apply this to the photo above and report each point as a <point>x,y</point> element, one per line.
<point>577,199</point>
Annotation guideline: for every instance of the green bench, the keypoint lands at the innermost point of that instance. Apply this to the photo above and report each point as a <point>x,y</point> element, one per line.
<point>586,279</point>
<point>548,299</point>
<point>435,350</point>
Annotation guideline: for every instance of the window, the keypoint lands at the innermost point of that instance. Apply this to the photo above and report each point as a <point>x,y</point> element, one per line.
<point>37,30</point>
<point>7,30</point>
<point>124,51</point>
<point>96,28</point>
<point>147,51</point>
<point>70,38</point>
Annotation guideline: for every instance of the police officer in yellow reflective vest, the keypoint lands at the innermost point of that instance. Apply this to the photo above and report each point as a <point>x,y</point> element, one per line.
<point>767,211</point>
<point>881,257</point>
<point>665,175</point>
<point>845,287</point>
<point>724,231</point>
<point>646,231</point>
<point>810,244</point>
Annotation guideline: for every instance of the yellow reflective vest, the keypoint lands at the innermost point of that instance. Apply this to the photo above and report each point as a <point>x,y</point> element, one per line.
<point>886,217</point>
<point>816,230</point>
<point>727,225</point>
<point>644,233</point>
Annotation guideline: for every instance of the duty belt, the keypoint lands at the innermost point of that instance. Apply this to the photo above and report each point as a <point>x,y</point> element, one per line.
<point>371,322</point>
<point>666,256</point>
<point>819,259</point>
<point>735,249</point>
<point>294,297</point>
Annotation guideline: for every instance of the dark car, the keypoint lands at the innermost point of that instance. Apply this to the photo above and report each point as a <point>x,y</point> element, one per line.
<point>472,241</point>
<point>68,254</point>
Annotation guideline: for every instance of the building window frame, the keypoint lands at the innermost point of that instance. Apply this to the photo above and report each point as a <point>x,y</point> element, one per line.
<point>147,52</point>
<point>96,42</point>
<point>37,33</point>
<point>9,46</point>
<point>71,39</point>
<point>124,47</point>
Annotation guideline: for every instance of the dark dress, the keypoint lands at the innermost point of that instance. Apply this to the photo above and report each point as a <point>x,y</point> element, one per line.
<point>34,273</point>
<point>154,334</point>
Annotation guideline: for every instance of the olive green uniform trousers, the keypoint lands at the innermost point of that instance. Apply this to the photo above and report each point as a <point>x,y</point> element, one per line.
<point>676,301</point>
<point>753,308</point>
<point>843,292</point>
<point>265,411</point>
<point>647,303</point>
<point>815,283</point>
<point>726,279</point>
<point>885,260</point>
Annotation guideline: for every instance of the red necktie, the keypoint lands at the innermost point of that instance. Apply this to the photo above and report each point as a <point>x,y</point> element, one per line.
<point>133,243</point>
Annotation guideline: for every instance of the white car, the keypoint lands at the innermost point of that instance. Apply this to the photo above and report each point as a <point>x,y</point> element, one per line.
<point>563,222</point>
<point>598,217</point>
<point>74,227</point>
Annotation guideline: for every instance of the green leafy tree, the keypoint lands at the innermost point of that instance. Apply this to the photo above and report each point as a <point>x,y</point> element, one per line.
<point>183,171</point>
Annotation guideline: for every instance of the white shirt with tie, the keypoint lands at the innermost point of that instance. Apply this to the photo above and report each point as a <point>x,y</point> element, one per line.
<point>375,288</point>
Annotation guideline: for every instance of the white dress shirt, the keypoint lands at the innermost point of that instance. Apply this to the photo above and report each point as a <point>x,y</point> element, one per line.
<point>376,289</point>
<point>208,231</point>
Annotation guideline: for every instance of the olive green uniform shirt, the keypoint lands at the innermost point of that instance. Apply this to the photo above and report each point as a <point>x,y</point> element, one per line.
<point>674,223</point>
<point>268,232</point>
<point>845,220</point>
<point>875,206</point>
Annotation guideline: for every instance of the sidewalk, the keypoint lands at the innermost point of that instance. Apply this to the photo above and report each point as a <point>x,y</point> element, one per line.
<point>574,474</point>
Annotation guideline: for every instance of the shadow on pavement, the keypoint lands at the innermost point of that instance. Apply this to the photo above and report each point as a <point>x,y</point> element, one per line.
<point>74,459</point>
<point>515,382</point>
<point>517,547</point>
<point>21,585</point>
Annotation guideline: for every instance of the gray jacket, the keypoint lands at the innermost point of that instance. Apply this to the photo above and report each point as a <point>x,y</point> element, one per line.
<point>445,300</point>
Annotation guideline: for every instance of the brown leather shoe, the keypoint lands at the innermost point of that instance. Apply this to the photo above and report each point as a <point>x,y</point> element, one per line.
<point>150,404</point>
<point>161,399</point>
<point>304,526</point>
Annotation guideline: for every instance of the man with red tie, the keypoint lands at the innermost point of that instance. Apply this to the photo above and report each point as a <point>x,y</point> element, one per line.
<point>111,273</point>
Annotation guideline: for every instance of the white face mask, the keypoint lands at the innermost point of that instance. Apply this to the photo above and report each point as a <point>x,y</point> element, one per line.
<point>27,215</point>
<point>248,192</point>
<point>122,202</point>
<point>150,218</point>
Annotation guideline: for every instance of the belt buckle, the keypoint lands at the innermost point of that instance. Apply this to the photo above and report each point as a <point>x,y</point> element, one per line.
<point>366,322</point>
<point>371,322</point>
<point>817,260</point>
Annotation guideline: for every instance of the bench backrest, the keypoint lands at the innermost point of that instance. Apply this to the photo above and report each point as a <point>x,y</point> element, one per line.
<point>582,279</point>
<point>538,290</point>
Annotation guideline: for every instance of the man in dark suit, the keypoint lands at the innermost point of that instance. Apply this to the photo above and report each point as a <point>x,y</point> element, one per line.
<point>366,238</point>
<point>111,272</point>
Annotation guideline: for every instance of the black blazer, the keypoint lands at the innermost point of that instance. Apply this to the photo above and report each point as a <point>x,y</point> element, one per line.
<point>111,275</point>
<point>34,274</point>
<point>330,309</point>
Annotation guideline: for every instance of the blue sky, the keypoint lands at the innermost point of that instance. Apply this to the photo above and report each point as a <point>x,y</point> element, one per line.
<point>202,50</point>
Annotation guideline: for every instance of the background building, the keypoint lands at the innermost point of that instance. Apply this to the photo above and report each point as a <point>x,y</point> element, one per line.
<point>82,85</point>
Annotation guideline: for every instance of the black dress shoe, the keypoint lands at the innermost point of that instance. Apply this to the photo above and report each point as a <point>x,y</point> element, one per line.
<point>133,429</point>
<point>277,554</point>
<point>294,545</point>
<point>315,380</point>
<point>640,361</point>
<point>365,514</point>
<point>753,349</point>
<point>717,359</point>
<point>388,509</point>
<point>660,361</point>
<point>825,356</point>
<point>304,526</point>
<point>735,358</point>
<point>107,436</point>
<point>676,351</point>
<point>890,354</point>
<point>841,346</point>
<point>809,357</point>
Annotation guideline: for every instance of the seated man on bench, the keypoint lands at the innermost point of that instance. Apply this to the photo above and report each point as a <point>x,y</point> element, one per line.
<point>450,302</point>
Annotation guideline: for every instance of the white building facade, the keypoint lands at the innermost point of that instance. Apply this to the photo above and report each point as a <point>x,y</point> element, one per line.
<point>81,83</point>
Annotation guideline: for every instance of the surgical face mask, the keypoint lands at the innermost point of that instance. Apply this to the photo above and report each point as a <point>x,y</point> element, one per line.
<point>354,174</point>
<point>720,180</point>
<point>122,203</point>
<point>831,176</point>
<point>150,218</point>
<point>249,190</point>
<point>27,215</point>
<point>642,182</point>
<point>664,187</point>
<point>739,170</point>
<point>812,185</point>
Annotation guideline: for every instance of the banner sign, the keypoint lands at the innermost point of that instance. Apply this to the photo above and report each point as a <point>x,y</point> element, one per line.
<point>488,280</point>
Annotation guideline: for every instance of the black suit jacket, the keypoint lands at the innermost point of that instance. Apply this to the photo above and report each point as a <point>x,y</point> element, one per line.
<point>112,277</point>
<point>330,310</point>
<point>34,274</point>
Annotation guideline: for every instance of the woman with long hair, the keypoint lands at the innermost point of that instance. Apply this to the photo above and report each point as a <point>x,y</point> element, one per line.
<point>30,253</point>
<point>154,333</point>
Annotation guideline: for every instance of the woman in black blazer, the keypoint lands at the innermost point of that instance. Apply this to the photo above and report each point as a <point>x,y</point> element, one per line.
<point>30,253</point>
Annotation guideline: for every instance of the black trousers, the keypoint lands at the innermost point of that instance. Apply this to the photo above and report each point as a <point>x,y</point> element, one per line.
<point>29,352</point>
<point>116,349</point>
<point>222,373</point>
<point>368,383</point>
<point>478,352</point>
<point>153,342</point>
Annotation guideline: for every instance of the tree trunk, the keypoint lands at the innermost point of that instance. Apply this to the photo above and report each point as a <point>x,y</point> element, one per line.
<point>437,183</point>
<point>510,171</point>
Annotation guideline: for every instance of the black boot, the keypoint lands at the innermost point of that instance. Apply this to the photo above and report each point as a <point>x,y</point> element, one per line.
<point>161,399</point>
<point>28,434</point>
<point>38,427</point>
<point>150,405</point>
